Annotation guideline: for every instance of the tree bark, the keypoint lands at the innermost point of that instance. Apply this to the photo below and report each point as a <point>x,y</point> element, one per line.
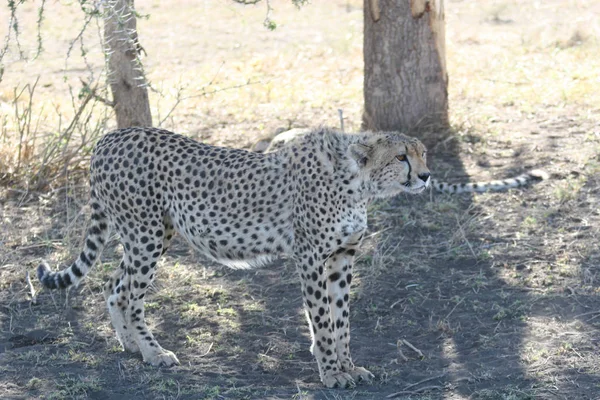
<point>405,83</point>
<point>125,74</point>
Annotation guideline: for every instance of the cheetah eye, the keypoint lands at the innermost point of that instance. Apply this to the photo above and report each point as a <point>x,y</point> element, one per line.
<point>401,157</point>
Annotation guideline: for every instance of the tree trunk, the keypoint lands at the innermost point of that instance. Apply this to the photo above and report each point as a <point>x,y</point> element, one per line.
<point>125,74</point>
<point>406,83</point>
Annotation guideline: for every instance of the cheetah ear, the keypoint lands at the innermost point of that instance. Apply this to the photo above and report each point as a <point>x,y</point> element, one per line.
<point>360,153</point>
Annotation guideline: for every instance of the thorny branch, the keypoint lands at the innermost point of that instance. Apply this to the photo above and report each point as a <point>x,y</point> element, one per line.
<point>203,93</point>
<point>94,92</point>
<point>39,30</point>
<point>13,25</point>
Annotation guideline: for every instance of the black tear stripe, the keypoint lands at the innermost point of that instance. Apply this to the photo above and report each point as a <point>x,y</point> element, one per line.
<point>409,166</point>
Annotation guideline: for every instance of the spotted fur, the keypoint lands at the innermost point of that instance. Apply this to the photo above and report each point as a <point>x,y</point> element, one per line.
<point>308,200</point>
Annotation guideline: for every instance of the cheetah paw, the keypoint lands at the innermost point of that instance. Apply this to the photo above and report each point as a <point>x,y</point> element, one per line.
<point>361,374</point>
<point>162,358</point>
<point>339,379</point>
<point>131,347</point>
<point>128,344</point>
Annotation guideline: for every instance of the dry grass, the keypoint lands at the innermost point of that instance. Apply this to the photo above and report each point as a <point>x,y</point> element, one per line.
<point>535,60</point>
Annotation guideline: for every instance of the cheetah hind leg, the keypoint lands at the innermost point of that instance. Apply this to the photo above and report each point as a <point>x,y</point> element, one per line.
<point>141,279</point>
<point>154,354</point>
<point>117,301</point>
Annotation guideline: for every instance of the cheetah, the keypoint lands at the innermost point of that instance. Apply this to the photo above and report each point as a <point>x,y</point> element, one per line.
<point>282,138</point>
<point>308,200</point>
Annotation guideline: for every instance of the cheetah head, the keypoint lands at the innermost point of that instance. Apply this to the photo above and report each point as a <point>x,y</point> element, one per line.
<point>392,163</point>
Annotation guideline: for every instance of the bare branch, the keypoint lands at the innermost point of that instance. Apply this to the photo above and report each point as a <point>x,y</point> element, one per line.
<point>95,95</point>
<point>203,93</point>
<point>269,23</point>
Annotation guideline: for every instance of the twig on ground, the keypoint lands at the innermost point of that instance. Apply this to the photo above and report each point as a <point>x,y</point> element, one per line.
<point>406,390</point>
<point>425,380</point>
<point>521,289</point>
<point>401,354</point>
<point>410,346</point>
<point>31,288</point>
<point>454,308</point>
<point>208,351</point>
<point>586,313</point>
<point>394,304</point>
<point>416,391</point>
<point>497,326</point>
<point>587,321</point>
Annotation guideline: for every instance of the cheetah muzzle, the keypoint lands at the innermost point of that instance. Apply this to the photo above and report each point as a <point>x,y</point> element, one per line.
<point>308,200</point>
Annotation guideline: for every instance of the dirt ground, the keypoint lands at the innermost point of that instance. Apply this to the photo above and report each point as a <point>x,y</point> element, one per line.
<point>499,292</point>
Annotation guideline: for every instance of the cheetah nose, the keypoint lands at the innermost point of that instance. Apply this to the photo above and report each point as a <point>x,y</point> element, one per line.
<point>425,176</point>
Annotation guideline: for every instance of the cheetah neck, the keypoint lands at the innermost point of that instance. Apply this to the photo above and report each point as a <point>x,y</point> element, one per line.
<point>356,180</point>
<point>330,147</point>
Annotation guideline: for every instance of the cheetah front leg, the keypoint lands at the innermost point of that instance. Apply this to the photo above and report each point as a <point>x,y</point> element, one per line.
<point>339,273</point>
<point>321,323</point>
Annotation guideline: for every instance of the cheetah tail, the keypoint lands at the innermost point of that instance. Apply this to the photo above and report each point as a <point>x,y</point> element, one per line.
<point>95,239</point>
<point>480,187</point>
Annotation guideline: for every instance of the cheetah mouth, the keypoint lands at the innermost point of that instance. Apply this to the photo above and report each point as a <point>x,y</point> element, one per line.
<point>415,190</point>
